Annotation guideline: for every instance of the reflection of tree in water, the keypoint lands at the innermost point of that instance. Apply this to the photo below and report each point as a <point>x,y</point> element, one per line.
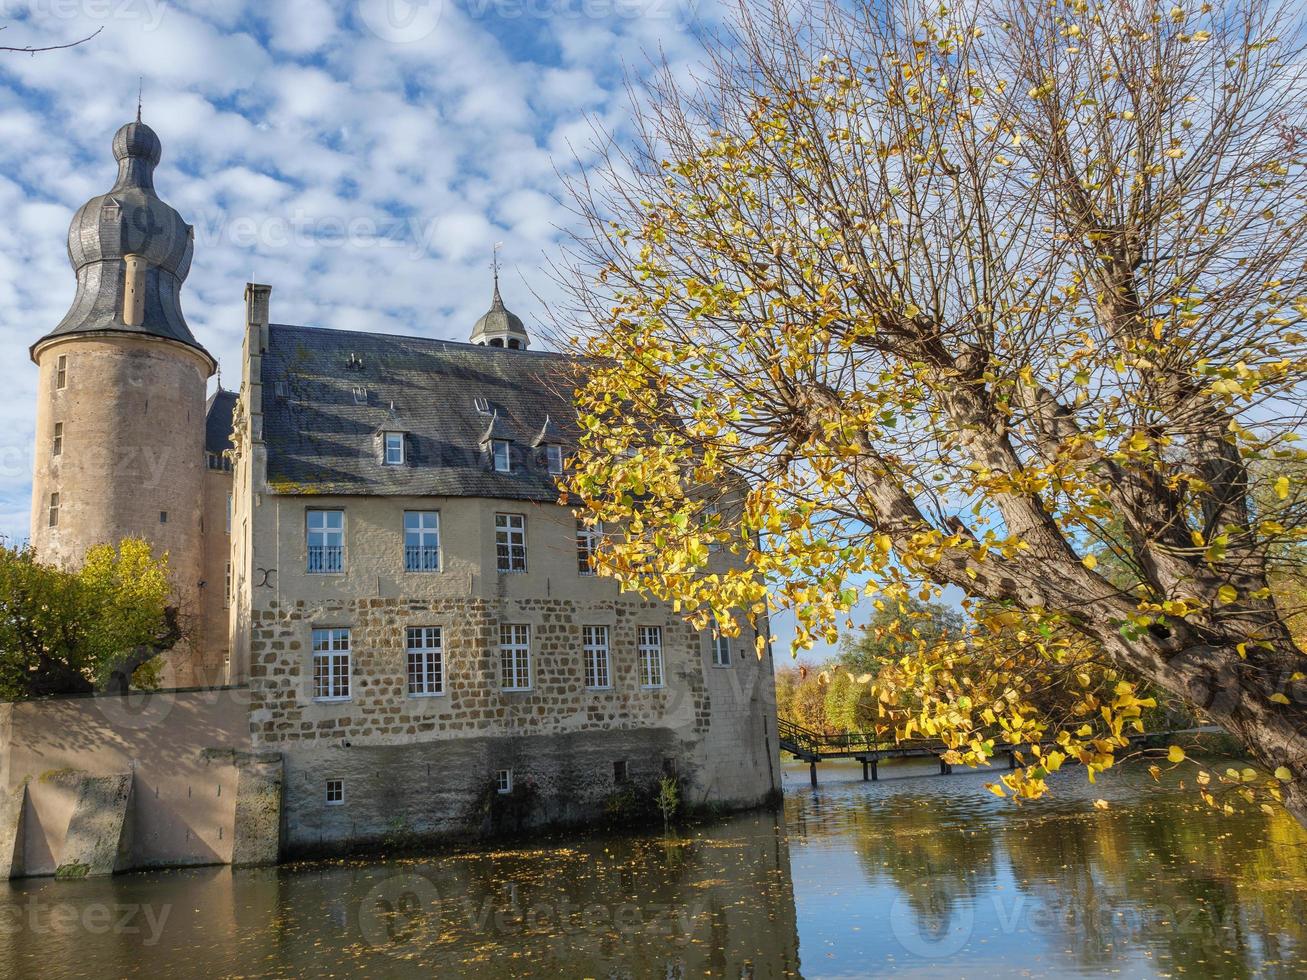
<point>1222,896</point>
<point>935,853</point>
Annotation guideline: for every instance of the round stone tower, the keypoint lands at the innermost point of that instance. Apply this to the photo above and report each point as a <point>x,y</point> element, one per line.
<point>121,389</point>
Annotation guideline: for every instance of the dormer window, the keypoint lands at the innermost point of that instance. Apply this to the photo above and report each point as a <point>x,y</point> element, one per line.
<point>394,449</point>
<point>503,460</point>
<point>554,458</point>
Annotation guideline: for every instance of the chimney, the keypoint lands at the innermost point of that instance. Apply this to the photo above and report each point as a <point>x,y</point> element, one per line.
<point>257,300</point>
<point>134,290</point>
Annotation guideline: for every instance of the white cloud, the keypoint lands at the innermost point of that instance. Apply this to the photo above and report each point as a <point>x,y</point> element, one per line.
<point>366,181</point>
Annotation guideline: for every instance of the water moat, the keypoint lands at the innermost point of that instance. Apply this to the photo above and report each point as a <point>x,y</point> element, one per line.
<point>918,873</point>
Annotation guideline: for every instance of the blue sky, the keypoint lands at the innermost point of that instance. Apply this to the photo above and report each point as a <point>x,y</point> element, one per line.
<point>360,156</point>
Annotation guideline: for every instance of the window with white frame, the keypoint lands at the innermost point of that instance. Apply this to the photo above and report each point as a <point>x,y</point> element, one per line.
<point>721,645</point>
<point>61,372</point>
<point>331,656</point>
<point>594,646</point>
<point>426,661</point>
<point>421,541</point>
<point>394,449</point>
<point>57,444</point>
<point>54,510</point>
<point>326,541</point>
<point>587,542</point>
<point>335,792</point>
<point>651,656</point>
<point>514,657</point>
<point>554,458</point>
<point>510,542</point>
<point>503,780</point>
<point>503,459</point>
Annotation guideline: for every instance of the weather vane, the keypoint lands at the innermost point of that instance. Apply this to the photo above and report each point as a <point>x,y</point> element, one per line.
<point>494,260</point>
<point>140,95</point>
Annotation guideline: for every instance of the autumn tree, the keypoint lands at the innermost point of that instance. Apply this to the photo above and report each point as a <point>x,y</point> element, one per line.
<point>947,291</point>
<point>73,632</point>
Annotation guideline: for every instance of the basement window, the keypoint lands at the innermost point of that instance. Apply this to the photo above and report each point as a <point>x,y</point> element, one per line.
<point>504,781</point>
<point>335,792</point>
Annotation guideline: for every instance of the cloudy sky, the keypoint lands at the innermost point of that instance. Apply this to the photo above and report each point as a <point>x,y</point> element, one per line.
<point>360,156</point>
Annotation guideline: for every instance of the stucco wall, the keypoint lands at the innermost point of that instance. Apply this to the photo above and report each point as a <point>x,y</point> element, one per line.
<point>133,443</point>
<point>178,747</point>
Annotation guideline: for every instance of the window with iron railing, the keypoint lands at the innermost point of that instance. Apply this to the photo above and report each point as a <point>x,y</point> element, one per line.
<point>421,541</point>
<point>326,541</point>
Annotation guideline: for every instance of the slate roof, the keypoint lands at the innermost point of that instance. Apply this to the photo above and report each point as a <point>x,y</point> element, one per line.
<point>328,393</point>
<point>218,413</point>
<point>129,219</point>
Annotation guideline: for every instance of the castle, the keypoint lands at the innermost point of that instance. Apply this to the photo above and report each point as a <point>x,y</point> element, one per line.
<point>394,623</point>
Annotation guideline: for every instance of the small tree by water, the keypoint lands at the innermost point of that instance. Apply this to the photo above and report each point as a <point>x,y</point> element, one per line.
<point>102,626</point>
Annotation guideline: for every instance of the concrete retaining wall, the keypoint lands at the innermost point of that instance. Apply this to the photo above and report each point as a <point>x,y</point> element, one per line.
<point>110,783</point>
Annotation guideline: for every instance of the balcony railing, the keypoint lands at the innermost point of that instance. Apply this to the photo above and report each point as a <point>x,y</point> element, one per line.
<point>325,559</point>
<point>421,558</point>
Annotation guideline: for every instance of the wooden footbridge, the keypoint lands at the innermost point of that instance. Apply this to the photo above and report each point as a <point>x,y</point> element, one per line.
<point>813,747</point>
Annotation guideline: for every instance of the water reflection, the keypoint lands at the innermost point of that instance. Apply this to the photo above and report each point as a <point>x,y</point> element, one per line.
<point>1154,885</point>
<point>925,875</point>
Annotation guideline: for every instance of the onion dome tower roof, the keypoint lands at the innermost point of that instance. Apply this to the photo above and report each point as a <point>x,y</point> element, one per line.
<point>129,220</point>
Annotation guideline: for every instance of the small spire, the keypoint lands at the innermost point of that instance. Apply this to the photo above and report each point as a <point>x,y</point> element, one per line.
<point>140,95</point>
<point>496,302</point>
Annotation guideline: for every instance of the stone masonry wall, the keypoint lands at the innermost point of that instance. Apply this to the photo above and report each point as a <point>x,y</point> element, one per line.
<point>380,710</point>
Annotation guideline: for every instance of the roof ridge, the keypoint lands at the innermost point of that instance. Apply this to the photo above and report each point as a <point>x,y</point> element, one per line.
<point>462,344</point>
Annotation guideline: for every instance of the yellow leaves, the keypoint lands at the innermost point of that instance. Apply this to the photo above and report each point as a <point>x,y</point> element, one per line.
<point>1282,487</point>
<point>1100,804</point>
<point>996,789</point>
<point>1138,442</point>
<point>1283,774</point>
<point>1175,754</point>
<point>1090,562</point>
<point>1227,594</point>
<point>1279,698</point>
